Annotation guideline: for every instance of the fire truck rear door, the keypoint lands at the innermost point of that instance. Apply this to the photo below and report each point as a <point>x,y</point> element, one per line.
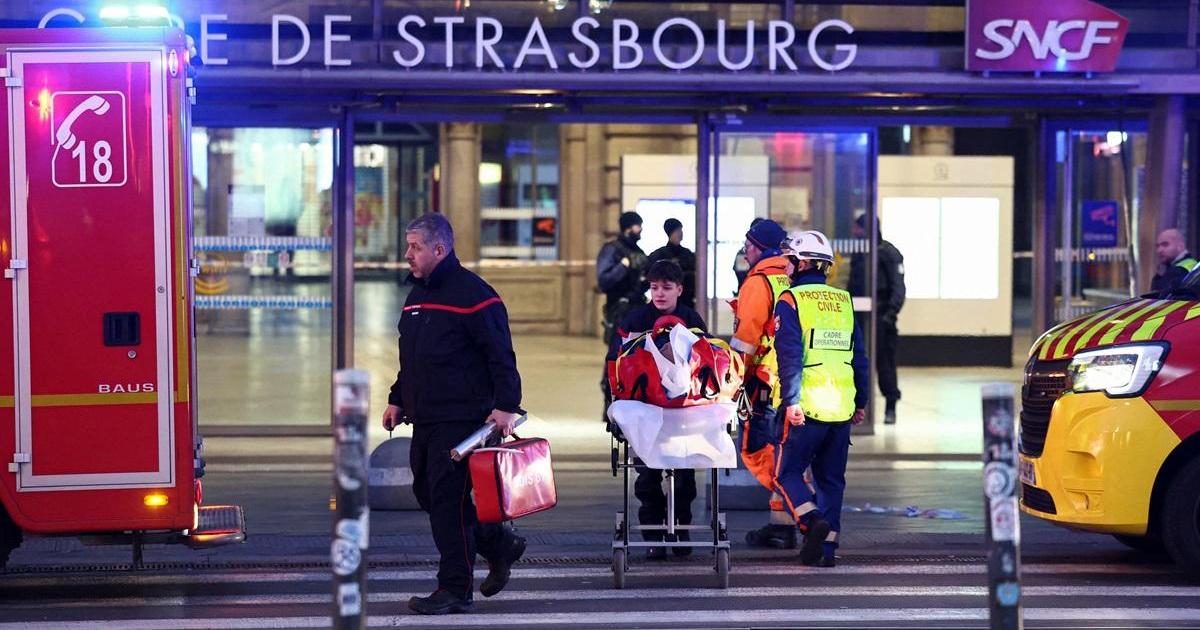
<point>89,143</point>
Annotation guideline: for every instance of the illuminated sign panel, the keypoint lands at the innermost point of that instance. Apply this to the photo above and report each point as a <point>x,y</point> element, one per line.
<point>1041,36</point>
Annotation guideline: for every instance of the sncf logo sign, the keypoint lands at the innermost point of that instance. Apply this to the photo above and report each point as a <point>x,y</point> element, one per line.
<point>1034,35</point>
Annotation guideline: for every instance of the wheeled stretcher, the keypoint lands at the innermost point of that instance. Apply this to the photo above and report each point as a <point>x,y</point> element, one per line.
<point>670,439</point>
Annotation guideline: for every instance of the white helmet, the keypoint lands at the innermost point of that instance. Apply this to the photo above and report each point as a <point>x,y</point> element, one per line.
<point>808,245</point>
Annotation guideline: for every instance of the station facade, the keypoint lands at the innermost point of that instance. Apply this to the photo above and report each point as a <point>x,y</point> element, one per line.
<point>1021,160</point>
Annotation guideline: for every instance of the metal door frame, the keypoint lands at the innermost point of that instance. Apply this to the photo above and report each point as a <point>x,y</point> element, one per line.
<point>775,124</point>
<point>1057,222</point>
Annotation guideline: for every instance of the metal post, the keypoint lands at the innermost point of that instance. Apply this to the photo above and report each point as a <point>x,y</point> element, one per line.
<point>1000,495</point>
<point>343,244</point>
<point>351,524</point>
<point>703,188</point>
<point>874,237</point>
<point>377,29</point>
<point>1042,173</point>
<point>670,504</point>
<point>1067,235</point>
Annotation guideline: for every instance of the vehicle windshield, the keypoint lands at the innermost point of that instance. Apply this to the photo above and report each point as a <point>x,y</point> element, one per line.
<point>1189,287</point>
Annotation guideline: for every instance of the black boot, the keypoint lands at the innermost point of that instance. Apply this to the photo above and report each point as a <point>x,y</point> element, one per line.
<point>889,413</point>
<point>773,537</point>
<point>441,602</point>
<point>681,536</point>
<point>499,569</point>
<point>814,541</point>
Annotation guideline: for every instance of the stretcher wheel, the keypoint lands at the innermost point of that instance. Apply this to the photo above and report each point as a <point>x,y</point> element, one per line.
<point>722,568</point>
<point>618,567</point>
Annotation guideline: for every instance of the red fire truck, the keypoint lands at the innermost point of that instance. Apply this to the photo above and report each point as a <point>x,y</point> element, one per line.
<point>98,432</point>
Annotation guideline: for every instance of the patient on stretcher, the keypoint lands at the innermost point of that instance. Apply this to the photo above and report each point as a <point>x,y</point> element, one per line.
<point>672,384</point>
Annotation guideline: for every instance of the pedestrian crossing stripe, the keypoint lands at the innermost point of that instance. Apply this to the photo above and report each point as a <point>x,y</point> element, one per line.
<point>524,572</point>
<point>605,594</point>
<point>660,617</point>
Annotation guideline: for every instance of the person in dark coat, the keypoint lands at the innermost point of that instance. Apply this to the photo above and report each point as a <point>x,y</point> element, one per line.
<point>889,299</point>
<point>680,255</point>
<point>621,277</point>
<point>457,371</point>
<point>621,273</point>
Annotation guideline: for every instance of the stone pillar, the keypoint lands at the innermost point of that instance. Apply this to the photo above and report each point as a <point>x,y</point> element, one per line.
<point>1046,226</point>
<point>933,141</point>
<point>595,219</point>
<point>1164,175</point>
<point>460,149</point>
<point>572,226</point>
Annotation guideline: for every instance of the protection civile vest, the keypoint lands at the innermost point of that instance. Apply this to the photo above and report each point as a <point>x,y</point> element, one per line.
<point>1187,263</point>
<point>827,322</point>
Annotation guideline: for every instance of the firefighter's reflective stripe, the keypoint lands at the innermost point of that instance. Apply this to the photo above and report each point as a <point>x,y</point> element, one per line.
<point>827,381</point>
<point>764,363</point>
<point>85,400</point>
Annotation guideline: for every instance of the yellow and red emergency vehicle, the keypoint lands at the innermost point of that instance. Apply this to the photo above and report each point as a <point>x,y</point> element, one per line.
<point>98,430</point>
<point>1110,424</point>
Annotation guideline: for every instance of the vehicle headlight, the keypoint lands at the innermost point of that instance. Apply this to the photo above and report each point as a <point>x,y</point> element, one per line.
<point>1119,371</point>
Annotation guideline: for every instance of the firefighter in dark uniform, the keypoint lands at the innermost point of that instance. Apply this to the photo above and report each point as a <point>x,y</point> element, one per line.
<point>889,299</point>
<point>457,370</point>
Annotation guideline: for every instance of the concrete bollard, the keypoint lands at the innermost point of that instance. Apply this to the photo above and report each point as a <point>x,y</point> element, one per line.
<point>1000,497</point>
<point>739,491</point>
<point>391,477</point>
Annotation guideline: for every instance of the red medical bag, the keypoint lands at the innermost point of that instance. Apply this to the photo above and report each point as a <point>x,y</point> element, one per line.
<point>512,480</point>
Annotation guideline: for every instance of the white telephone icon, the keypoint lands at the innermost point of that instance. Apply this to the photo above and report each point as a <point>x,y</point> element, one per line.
<point>63,135</point>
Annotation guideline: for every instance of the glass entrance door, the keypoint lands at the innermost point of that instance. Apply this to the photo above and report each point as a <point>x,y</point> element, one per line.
<point>1098,172</point>
<point>804,179</point>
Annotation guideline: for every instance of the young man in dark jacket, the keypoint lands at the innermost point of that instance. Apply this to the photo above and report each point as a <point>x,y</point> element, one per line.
<point>666,285</point>
<point>457,370</point>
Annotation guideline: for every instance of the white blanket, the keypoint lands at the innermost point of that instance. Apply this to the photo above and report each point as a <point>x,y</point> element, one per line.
<point>689,437</point>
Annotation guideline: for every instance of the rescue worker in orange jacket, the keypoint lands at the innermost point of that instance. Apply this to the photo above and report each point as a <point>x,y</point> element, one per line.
<point>753,336</point>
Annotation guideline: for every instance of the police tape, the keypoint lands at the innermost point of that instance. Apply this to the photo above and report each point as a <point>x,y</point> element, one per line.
<point>259,244</point>
<point>242,302</point>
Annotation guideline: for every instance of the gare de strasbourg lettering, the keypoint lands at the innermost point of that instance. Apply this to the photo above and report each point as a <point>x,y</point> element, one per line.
<point>626,51</point>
